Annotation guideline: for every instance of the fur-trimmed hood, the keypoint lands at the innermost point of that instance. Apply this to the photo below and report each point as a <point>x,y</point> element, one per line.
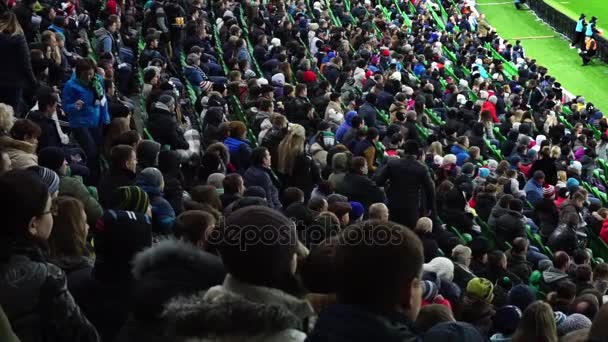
<point>237,311</point>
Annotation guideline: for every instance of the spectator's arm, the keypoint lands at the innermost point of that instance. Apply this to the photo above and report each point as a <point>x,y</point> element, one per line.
<point>382,175</point>
<point>370,156</point>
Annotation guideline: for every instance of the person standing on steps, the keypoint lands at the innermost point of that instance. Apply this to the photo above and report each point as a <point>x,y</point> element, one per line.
<point>579,31</point>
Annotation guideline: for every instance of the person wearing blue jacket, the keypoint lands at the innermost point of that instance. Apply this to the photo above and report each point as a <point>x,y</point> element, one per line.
<point>151,181</point>
<point>345,126</point>
<point>534,187</point>
<point>85,103</point>
<point>238,146</point>
<point>578,31</point>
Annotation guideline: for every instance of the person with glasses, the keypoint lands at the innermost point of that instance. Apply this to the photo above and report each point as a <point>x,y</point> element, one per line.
<point>33,292</point>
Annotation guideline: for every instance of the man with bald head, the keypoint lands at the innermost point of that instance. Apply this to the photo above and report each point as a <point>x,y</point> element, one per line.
<point>378,211</point>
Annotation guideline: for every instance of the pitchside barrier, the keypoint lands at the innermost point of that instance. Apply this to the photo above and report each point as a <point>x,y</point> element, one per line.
<point>565,25</point>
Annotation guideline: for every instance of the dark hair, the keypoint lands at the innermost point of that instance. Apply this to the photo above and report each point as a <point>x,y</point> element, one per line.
<point>495,259</point>
<point>191,225</point>
<point>292,195</point>
<point>516,205</point>
<point>519,245</point>
<point>127,138</point>
<point>149,75</point>
<point>67,238</point>
<point>113,18</point>
<point>580,256</point>
<point>372,133</point>
<point>46,98</point>
<point>431,315</point>
<point>206,194</point>
<point>25,128</point>
<point>83,65</point>
<point>561,259</point>
<point>119,155</point>
<point>257,155</point>
<point>565,289</point>
<point>231,183</point>
<point>24,197</point>
<point>316,203</point>
<point>584,273</point>
<point>373,274</point>
<point>356,164</point>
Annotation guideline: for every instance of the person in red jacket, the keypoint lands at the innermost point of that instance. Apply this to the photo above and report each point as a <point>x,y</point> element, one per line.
<point>490,105</point>
<point>604,231</point>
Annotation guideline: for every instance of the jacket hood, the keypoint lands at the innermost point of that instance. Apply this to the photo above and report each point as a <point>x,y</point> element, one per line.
<point>101,32</point>
<point>222,310</point>
<point>147,152</point>
<point>553,275</point>
<point>349,117</point>
<point>8,142</point>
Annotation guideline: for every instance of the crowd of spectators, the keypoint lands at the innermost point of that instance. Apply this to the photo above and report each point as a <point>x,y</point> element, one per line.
<point>271,170</point>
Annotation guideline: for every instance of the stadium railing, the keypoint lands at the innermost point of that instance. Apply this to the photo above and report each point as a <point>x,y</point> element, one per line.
<point>564,24</point>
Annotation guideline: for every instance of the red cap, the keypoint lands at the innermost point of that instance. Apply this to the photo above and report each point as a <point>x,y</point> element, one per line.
<point>386,53</point>
<point>309,76</point>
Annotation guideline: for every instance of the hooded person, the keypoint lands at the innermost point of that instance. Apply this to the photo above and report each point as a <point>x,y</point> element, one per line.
<point>345,126</point>
<point>260,297</point>
<point>169,269</point>
<point>151,181</point>
<point>119,235</point>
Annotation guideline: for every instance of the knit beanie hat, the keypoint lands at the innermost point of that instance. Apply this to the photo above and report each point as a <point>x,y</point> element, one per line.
<point>544,264</point>
<point>429,290</point>
<point>521,296</point>
<point>468,168</point>
<point>131,198</point>
<point>444,268</point>
<point>167,100</point>
<point>560,317</point>
<point>357,210</point>
<point>48,177</point>
<point>506,319</point>
<point>572,323</point>
<point>51,157</point>
<point>147,152</point>
<point>266,253</point>
<point>480,288</point>
<point>255,191</point>
<point>484,172</point>
<point>572,184</point>
<point>309,76</point>
<point>149,176</point>
<point>576,165</point>
<point>548,190</point>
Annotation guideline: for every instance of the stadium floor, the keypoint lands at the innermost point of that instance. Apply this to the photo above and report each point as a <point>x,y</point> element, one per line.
<point>550,49</point>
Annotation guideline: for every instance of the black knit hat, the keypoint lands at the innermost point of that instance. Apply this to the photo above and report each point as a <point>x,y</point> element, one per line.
<point>256,244</point>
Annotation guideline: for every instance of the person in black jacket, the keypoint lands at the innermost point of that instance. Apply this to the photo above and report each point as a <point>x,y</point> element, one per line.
<point>358,187</point>
<point>15,64</point>
<point>411,192</point>
<point>123,164</point>
<point>546,164</point>
<point>260,174</point>
<point>163,125</point>
<point>24,11</point>
<point>170,166</point>
<point>43,117</point>
<point>516,259</point>
<point>511,224</point>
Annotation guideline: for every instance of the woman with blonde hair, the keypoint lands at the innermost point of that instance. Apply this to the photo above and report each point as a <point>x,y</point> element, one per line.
<point>7,118</point>
<point>15,64</point>
<point>537,324</point>
<point>295,168</point>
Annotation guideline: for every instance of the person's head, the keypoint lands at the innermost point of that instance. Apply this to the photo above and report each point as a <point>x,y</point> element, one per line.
<point>290,148</point>
<point>372,134</point>
<point>432,315</point>
<point>378,211</point>
<point>358,165</point>
<point>112,23</point>
<point>318,204</point>
<point>85,70</point>
<point>600,272</point>
<point>578,199</point>
<point>26,130</point>
<point>47,102</point>
<point>292,195</point>
<point>584,274</point>
<point>516,205</point>
<point>599,328</point>
<point>150,177</point>
<point>122,157</point>
<point>258,246</point>
<point>565,291</point>
<point>497,260</point>
<point>586,304</point>
<point>537,324</point>
<point>379,276</point>
<point>234,184</point>
<point>194,226</point>
<point>581,257</point>
<point>462,255</point>
<point>520,246</point>
<point>539,177</point>
<point>561,260</point>
<point>25,206</point>
<point>206,194</point>
<point>424,225</point>
<point>9,24</point>
<point>342,211</point>
<point>261,157</point>
<point>7,118</point>
<point>70,228</point>
<point>237,130</point>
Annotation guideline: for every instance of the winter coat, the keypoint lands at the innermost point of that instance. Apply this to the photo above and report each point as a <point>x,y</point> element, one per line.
<point>345,126</point>
<point>489,106</point>
<point>237,311</point>
<point>15,63</point>
<point>21,153</point>
<point>411,188</point>
<point>333,113</point>
<point>368,113</point>
<point>342,323</point>
<point>305,176</point>
<point>429,246</point>
<point>519,266</point>
<point>332,73</point>
<point>168,269</point>
<point>550,278</point>
<point>319,155</point>
<point>361,189</point>
<point>604,231</point>
<point>240,153</point>
<point>546,165</point>
<point>258,176</point>
<point>564,238</point>
<point>92,114</point>
<point>366,148</point>
<point>462,275</point>
<point>497,211</point>
<point>163,127</point>
<point>534,191</point>
<point>73,186</point>
<point>163,215</point>
<point>77,270</point>
<point>509,226</point>
<point>195,75</point>
<point>34,295</point>
<point>484,203</point>
<point>112,181</point>
<point>49,136</point>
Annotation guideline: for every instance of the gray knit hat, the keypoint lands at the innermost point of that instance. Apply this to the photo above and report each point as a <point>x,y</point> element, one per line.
<point>150,176</point>
<point>48,177</point>
<point>574,322</point>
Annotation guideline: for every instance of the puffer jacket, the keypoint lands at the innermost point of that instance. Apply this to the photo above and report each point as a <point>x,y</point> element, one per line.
<point>21,153</point>
<point>92,113</point>
<point>236,311</point>
<point>35,297</point>
<point>345,126</point>
<point>240,153</point>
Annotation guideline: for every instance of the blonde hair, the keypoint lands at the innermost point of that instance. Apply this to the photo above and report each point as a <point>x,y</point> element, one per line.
<point>290,148</point>
<point>9,24</point>
<point>7,118</point>
<point>556,152</point>
<point>436,148</point>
